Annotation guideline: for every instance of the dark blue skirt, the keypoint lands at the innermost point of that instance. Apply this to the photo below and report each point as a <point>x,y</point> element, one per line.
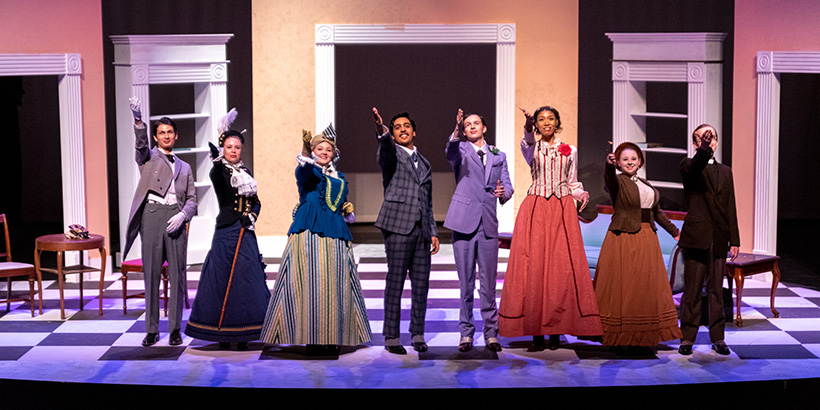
<point>239,316</point>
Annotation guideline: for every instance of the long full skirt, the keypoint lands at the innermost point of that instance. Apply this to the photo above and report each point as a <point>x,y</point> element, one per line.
<point>317,298</point>
<point>634,296</point>
<point>547,287</point>
<point>230,307</point>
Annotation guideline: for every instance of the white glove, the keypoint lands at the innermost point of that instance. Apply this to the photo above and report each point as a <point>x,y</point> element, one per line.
<point>135,103</point>
<point>175,222</point>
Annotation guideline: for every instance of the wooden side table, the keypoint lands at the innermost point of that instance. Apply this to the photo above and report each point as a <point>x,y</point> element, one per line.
<point>60,244</point>
<point>749,264</point>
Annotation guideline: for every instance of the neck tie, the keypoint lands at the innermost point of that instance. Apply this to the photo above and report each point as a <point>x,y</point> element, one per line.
<point>170,157</point>
<point>481,155</point>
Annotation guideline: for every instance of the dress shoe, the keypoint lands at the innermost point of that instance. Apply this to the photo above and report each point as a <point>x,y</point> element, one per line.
<point>721,349</point>
<point>420,346</point>
<point>398,349</point>
<point>493,345</point>
<point>685,350</point>
<point>465,347</point>
<point>175,339</point>
<point>554,341</point>
<point>537,344</point>
<point>150,339</point>
<point>333,350</point>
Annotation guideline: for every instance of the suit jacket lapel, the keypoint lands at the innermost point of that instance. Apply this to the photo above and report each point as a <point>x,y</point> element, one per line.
<point>488,167</point>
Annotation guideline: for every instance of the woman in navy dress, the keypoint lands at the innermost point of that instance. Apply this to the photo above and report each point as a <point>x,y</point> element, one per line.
<point>232,294</point>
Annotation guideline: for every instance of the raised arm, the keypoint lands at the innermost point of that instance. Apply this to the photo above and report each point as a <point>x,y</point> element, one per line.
<point>141,145</point>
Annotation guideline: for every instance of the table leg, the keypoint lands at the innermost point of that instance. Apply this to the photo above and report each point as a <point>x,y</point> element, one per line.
<point>31,280</point>
<point>39,277</point>
<point>739,279</point>
<point>775,281</point>
<point>82,263</point>
<point>102,276</point>
<point>61,282</point>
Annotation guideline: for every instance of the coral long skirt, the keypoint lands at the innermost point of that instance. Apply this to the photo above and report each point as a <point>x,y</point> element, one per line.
<point>634,296</point>
<point>547,287</point>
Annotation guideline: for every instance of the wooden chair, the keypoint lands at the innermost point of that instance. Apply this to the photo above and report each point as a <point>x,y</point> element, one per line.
<point>9,270</point>
<point>135,266</point>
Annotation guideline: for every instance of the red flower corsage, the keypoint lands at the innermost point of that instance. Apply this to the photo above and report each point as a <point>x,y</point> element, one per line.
<point>564,149</point>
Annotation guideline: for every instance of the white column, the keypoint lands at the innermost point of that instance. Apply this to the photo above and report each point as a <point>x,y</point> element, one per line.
<point>767,147</point>
<point>505,134</point>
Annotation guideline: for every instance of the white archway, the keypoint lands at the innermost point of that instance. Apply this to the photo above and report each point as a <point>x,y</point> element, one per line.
<point>770,64</point>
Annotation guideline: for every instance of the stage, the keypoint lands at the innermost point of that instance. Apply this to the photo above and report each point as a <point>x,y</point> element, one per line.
<point>772,359</point>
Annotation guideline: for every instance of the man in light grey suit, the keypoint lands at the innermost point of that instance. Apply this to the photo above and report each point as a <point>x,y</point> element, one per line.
<point>164,201</point>
<point>482,181</point>
<point>407,224</point>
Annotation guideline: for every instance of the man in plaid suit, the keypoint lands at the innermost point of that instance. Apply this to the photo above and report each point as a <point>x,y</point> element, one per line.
<point>406,221</point>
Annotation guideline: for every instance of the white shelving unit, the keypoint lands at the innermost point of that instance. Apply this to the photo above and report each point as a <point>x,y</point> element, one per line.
<point>692,58</point>
<point>196,59</point>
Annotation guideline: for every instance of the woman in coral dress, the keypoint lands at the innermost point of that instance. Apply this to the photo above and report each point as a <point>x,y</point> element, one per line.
<point>634,296</point>
<point>547,288</point>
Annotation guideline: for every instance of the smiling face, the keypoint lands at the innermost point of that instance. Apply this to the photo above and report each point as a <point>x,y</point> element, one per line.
<point>403,132</point>
<point>474,129</point>
<point>547,123</point>
<point>323,153</point>
<point>232,149</point>
<point>165,137</point>
<point>629,162</point>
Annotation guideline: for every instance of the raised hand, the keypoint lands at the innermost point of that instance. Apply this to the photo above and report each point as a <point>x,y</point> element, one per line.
<point>380,129</point>
<point>459,122</point>
<point>610,158</point>
<point>214,151</point>
<point>134,103</point>
<point>706,140</point>
<point>529,120</point>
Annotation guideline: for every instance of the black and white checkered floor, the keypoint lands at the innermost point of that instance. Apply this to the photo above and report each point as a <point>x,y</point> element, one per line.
<point>90,348</point>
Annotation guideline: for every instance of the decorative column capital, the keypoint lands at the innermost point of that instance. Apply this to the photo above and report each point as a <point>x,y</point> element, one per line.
<point>765,61</point>
<point>140,75</point>
<point>695,72</point>
<point>325,34</point>
<point>219,72</point>
<point>620,71</point>
<point>506,33</point>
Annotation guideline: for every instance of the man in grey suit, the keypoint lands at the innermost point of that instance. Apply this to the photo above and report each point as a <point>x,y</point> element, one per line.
<point>482,181</point>
<point>407,224</point>
<point>164,201</point>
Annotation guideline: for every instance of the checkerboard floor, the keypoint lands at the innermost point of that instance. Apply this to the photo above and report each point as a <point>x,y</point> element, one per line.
<point>88,347</point>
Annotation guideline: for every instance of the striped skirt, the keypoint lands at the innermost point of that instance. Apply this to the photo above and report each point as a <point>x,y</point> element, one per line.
<point>317,298</point>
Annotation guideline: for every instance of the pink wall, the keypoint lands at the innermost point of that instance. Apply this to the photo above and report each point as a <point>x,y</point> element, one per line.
<point>761,26</point>
<point>44,26</point>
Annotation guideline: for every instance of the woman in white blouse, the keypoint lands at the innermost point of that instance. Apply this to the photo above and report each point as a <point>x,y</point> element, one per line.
<point>631,284</point>
<point>547,287</point>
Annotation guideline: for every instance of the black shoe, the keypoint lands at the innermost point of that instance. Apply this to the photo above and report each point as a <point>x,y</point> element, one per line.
<point>685,350</point>
<point>537,344</point>
<point>721,349</point>
<point>398,349</point>
<point>494,346</point>
<point>420,346</point>
<point>554,341</point>
<point>150,339</point>
<point>175,339</point>
<point>315,350</point>
<point>333,350</point>
<point>465,347</point>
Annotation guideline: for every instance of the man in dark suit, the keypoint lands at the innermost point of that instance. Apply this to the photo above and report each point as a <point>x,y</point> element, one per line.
<point>407,224</point>
<point>482,181</point>
<point>709,232</point>
<point>164,201</point>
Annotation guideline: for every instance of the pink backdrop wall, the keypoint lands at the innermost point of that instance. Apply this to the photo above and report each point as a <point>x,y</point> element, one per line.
<point>43,26</point>
<point>761,26</point>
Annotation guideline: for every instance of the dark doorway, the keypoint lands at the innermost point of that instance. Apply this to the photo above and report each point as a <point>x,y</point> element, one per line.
<point>797,199</point>
<point>32,186</point>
